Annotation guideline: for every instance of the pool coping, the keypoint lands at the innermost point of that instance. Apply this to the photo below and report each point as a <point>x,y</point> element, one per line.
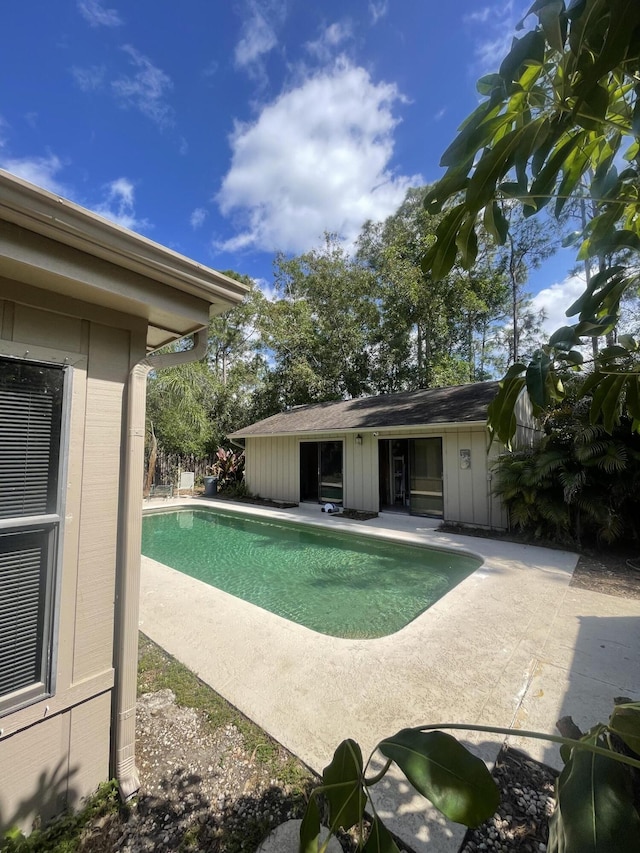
<point>507,647</point>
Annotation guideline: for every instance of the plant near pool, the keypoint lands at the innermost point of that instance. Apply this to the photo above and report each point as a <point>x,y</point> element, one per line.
<point>597,792</point>
<point>228,467</point>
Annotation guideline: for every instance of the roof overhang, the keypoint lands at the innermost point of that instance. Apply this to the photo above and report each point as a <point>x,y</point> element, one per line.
<point>368,430</point>
<point>57,245</point>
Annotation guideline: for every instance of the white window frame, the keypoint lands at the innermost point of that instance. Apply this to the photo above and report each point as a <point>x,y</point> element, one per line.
<point>50,527</point>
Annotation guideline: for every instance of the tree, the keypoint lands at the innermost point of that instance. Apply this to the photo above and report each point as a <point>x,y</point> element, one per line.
<point>428,326</point>
<point>193,407</point>
<point>318,330</point>
<point>561,113</point>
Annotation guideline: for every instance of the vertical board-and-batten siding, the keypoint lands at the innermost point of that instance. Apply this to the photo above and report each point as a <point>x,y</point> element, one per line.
<point>74,733</point>
<point>273,470</point>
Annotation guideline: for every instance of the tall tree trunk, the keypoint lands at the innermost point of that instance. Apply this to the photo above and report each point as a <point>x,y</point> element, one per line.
<point>419,353</point>
<point>587,273</point>
<point>514,299</point>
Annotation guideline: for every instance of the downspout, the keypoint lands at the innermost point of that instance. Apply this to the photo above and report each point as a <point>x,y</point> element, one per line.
<point>128,588</point>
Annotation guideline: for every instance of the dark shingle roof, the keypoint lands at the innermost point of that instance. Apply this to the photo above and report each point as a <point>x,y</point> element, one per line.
<point>456,404</point>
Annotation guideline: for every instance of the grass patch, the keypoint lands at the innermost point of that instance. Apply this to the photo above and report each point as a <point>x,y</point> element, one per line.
<point>157,670</point>
<point>63,835</point>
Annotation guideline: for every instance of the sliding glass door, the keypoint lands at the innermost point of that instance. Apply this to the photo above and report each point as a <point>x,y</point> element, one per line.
<point>321,471</point>
<point>425,477</point>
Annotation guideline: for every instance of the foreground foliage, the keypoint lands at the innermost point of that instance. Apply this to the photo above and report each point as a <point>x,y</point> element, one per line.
<point>597,806</point>
<point>560,122</point>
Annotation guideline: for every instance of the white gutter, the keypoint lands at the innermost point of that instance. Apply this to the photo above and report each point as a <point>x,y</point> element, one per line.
<point>128,584</point>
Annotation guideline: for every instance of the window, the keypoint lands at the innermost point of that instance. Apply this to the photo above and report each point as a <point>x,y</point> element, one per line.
<point>31,426</point>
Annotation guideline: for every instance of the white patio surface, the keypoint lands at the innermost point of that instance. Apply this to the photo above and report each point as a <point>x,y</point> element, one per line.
<point>513,645</point>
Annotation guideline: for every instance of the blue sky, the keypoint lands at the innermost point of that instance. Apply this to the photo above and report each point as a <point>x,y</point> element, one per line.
<point>233,130</point>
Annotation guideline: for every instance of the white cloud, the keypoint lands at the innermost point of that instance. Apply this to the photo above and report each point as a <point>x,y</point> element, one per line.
<point>494,28</point>
<point>267,288</point>
<point>378,9</point>
<point>119,205</point>
<point>41,171</point>
<point>556,299</point>
<point>146,89</point>
<point>261,19</point>
<point>324,47</point>
<point>4,127</point>
<point>89,79</point>
<point>317,159</point>
<point>480,16</point>
<point>97,16</point>
<point>198,217</point>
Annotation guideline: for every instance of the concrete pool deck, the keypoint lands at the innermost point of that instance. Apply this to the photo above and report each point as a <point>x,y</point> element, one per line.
<point>512,646</point>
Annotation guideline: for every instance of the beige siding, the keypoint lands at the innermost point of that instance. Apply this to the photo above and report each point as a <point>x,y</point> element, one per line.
<point>31,758</point>
<point>32,324</point>
<point>361,472</point>
<point>467,491</point>
<point>107,375</point>
<point>273,467</point>
<point>75,720</point>
<point>273,470</point>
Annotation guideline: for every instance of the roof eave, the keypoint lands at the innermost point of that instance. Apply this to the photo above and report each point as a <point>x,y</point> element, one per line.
<point>368,429</point>
<point>52,216</point>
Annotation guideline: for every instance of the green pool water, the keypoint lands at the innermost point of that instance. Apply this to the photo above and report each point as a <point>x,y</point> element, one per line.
<point>334,583</point>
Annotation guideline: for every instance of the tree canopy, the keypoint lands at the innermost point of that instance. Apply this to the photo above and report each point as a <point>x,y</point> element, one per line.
<point>560,120</point>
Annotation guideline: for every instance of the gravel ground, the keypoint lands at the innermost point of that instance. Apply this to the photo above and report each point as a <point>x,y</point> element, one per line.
<point>205,787</point>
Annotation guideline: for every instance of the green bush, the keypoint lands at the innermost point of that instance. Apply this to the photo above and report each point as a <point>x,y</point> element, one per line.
<point>579,483</point>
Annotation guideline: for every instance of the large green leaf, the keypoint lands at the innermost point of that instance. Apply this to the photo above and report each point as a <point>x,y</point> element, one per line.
<point>495,222</point>
<point>625,722</point>
<point>601,283</point>
<point>380,840</point>
<point>594,807</point>
<point>501,419</point>
<point>496,161</point>
<point>343,786</point>
<point>564,338</point>
<point>447,774</point>
<point>624,17</point>
<point>442,255</point>
<point>549,16</point>
<point>467,242</point>
<point>529,48</point>
<point>573,168</point>
<point>310,828</point>
<point>537,376</point>
<point>633,397</point>
<point>606,400</point>
<point>541,188</point>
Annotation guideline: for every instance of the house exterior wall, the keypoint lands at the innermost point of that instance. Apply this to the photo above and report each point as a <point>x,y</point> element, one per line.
<point>272,470</point>
<point>65,739</point>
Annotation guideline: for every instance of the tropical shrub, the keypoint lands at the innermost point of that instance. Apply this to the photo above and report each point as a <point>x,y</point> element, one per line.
<point>578,483</point>
<point>228,468</point>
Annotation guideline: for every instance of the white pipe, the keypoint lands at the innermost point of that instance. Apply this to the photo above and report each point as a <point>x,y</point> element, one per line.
<point>128,583</point>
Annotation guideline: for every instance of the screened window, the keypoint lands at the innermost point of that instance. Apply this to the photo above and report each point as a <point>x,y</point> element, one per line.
<point>31,415</point>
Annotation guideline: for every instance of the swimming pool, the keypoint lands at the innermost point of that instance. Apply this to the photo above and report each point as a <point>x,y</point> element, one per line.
<point>333,582</point>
